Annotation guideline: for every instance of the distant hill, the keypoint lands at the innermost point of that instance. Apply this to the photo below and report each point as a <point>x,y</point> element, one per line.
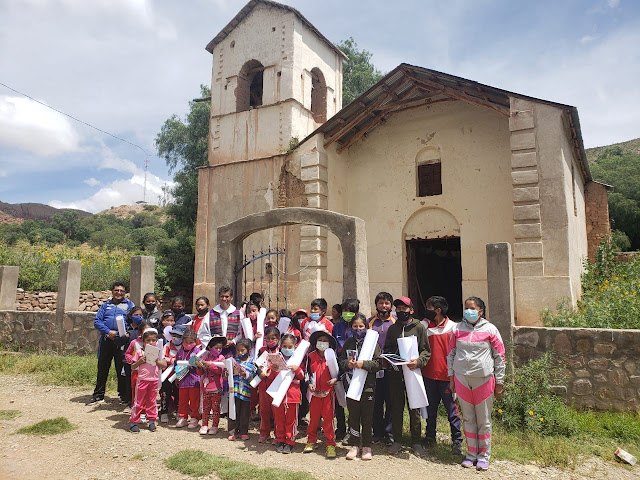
<point>632,146</point>
<point>31,211</point>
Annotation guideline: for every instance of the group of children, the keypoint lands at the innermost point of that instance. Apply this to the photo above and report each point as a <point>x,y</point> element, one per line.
<point>306,362</point>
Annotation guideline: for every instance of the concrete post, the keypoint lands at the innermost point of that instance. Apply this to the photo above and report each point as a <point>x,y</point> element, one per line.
<point>69,286</point>
<point>500,287</point>
<point>142,277</point>
<point>8,287</point>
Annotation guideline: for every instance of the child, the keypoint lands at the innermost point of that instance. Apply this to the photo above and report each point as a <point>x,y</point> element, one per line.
<point>286,415</point>
<point>476,371</point>
<point>271,319</point>
<point>294,325</point>
<point>177,307</point>
<point>405,326</point>
<point>146,385</point>
<point>271,345</point>
<point>151,311</point>
<point>381,322</point>
<point>189,403</point>
<point>243,372</point>
<point>321,387</point>
<point>316,319</point>
<point>360,413</point>
<point>435,372</point>
<point>137,326</point>
<point>168,321</point>
<point>211,384</point>
<point>169,391</point>
<point>336,313</point>
<point>198,324</point>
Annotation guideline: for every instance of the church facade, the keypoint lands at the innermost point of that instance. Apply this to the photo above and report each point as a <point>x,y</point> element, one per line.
<point>436,165</point>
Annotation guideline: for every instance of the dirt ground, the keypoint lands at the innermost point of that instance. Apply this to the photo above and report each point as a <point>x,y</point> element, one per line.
<point>103,448</point>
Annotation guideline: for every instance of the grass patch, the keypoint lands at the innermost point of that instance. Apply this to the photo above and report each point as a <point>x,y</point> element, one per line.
<point>9,414</point>
<point>53,426</point>
<point>52,369</point>
<point>196,463</point>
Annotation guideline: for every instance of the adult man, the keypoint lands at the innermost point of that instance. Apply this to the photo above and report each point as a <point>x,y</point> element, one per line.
<point>109,347</point>
<point>225,320</point>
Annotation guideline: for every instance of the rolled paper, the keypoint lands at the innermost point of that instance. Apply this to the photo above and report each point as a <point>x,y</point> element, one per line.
<point>260,329</point>
<point>232,403</point>
<point>359,374</point>
<point>172,378</point>
<point>247,328</point>
<point>167,333</point>
<point>168,371</point>
<point>182,363</point>
<point>283,325</point>
<point>332,362</point>
<point>258,362</point>
<point>416,394</point>
<point>280,385</point>
<point>122,331</point>
<point>220,364</point>
<point>160,345</point>
<point>341,395</point>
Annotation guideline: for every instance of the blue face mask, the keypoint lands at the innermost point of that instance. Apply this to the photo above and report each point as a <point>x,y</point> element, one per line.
<point>359,333</point>
<point>287,352</point>
<point>471,315</point>
<point>315,316</point>
<point>136,318</point>
<point>177,341</point>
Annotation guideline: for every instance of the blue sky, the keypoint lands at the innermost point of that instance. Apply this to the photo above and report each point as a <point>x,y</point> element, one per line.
<point>125,66</point>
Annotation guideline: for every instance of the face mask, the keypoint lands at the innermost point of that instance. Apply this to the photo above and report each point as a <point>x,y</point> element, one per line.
<point>203,311</point>
<point>322,346</point>
<point>150,306</point>
<point>215,352</point>
<point>177,341</point>
<point>359,333</point>
<point>176,311</point>
<point>314,316</point>
<point>348,316</point>
<point>272,344</point>
<point>471,315</point>
<point>188,346</point>
<point>136,318</point>
<point>253,316</point>
<point>287,352</point>
<point>271,323</point>
<point>403,316</point>
<point>383,313</point>
<point>242,356</point>
<point>431,315</point>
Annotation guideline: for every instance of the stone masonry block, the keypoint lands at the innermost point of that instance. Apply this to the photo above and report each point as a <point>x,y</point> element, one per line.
<point>315,173</point>
<point>526,194</point>
<point>527,230</point>
<point>313,244</point>
<point>521,120</point>
<point>312,231</point>
<point>528,268</point>
<point>527,250</point>
<point>317,201</point>
<point>524,159</point>
<point>522,141</point>
<point>524,178</point>
<point>314,158</point>
<point>526,212</point>
<point>317,188</point>
<point>313,259</point>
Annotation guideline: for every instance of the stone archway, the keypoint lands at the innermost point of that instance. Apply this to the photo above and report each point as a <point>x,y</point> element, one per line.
<point>349,230</point>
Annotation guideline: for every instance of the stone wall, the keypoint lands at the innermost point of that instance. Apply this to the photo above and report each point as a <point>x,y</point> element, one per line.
<point>71,333</point>
<point>602,366</point>
<point>597,213</point>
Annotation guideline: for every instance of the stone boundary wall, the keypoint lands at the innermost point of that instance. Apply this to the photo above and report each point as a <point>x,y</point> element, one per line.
<point>602,366</point>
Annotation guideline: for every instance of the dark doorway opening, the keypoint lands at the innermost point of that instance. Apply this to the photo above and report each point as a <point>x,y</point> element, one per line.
<point>434,268</point>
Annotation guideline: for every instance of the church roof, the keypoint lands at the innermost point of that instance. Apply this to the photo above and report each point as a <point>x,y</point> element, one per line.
<point>248,8</point>
<point>408,87</point>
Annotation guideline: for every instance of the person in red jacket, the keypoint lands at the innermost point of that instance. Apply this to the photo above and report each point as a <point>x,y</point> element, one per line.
<point>321,387</point>
<point>271,345</point>
<point>286,415</point>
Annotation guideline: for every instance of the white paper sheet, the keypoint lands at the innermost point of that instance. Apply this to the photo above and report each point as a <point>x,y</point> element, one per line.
<point>122,331</point>
<point>166,333</point>
<point>232,403</point>
<point>258,362</point>
<point>168,371</point>
<point>416,394</point>
<point>332,362</point>
<point>247,328</point>
<point>341,395</point>
<point>260,329</point>
<point>283,325</point>
<point>280,385</point>
<point>359,374</point>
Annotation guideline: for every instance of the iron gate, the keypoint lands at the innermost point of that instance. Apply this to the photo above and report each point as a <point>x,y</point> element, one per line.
<point>264,272</point>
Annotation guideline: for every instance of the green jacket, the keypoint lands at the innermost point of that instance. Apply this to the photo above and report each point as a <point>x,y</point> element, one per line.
<point>398,330</point>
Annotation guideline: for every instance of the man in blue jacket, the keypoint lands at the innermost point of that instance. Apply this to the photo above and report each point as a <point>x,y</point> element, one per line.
<point>106,321</point>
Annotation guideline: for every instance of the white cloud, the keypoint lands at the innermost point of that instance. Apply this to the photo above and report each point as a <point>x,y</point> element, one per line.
<point>3,173</point>
<point>587,39</point>
<point>92,182</point>
<point>29,126</point>
<point>613,3</point>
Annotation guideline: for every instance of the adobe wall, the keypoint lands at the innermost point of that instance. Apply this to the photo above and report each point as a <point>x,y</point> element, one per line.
<point>597,207</point>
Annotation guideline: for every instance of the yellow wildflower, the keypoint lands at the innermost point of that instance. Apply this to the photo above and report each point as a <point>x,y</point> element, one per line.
<point>542,419</point>
<point>531,412</point>
<point>499,410</point>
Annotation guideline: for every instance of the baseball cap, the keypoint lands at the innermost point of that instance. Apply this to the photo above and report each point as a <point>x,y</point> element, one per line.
<point>403,301</point>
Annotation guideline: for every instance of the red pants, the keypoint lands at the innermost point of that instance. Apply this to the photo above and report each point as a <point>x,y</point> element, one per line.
<point>189,402</point>
<point>266,412</point>
<point>321,407</point>
<point>145,395</point>
<point>211,408</point>
<point>286,422</point>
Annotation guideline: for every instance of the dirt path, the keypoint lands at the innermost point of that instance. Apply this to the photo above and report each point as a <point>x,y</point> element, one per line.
<point>102,448</point>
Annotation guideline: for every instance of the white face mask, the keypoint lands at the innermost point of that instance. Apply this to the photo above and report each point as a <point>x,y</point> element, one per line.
<point>322,346</point>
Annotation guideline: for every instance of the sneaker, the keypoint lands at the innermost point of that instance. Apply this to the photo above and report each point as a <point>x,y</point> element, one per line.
<point>375,440</point>
<point>182,422</point>
<point>467,463</point>
<point>482,465</point>
<point>231,437</point>
<point>95,400</point>
<point>331,451</point>
<point>388,440</point>
<point>134,428</point>
<point>395,448</point>
<point>164,418</point>
<point>263,439</point>
<point>124,401</point>
<point>193,423</point>
<point>280,447</point>
<point>152,426</point>
<point>287,448</point>
<point>244,437</point>
<point>366,453</point>
<point>213,430</point>
<point>203,430</point>
<point>419,450</point>
<point>308,448</point>
<point>275,441</point>
<point>345,439</point>
<point>456,449</point>
<point>353,453</point>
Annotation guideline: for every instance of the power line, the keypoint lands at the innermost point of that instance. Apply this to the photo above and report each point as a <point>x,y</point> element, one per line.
<point>77,119</point>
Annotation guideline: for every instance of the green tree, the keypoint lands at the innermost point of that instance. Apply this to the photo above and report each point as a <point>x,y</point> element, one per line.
<point>358,73</point>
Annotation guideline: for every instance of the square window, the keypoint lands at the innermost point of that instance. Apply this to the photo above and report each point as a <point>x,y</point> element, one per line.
<point>429,180</point>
